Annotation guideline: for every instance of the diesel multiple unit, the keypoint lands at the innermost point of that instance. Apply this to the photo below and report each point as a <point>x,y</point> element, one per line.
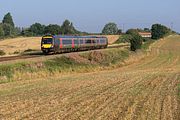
<point>60,44</point>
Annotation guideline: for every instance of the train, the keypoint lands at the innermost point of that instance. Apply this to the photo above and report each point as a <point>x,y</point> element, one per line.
<point>60,44</point>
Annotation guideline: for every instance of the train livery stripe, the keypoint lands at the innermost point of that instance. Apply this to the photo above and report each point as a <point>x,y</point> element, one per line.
<point>73,43</point>
<point>61,46</point>
<point>47,37</point>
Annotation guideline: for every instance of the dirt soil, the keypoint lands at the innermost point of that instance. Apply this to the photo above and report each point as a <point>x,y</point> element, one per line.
<point>143,90</point>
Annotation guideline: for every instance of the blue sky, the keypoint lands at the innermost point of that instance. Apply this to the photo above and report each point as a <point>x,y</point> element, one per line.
<point>92,15</point>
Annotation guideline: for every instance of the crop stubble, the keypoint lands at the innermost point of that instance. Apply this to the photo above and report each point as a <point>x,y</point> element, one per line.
<point>146,89</point>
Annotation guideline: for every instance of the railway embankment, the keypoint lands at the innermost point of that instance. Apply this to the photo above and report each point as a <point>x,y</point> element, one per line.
<point>92,61</point>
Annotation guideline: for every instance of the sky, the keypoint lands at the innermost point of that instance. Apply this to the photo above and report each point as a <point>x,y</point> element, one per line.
<point>92,15</point>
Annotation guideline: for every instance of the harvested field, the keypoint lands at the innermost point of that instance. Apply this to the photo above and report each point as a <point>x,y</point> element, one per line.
<point>15,45</point>
<point>144,89</point>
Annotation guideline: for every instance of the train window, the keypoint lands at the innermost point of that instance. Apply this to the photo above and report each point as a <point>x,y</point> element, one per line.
<point>102,41</point>
<point>76,41</point>
<point>67,42</point>
<point>57,42</point>
<point>93,41</point>
<point>47,40</point>
<point>81,42</point>
<point>88,41</point>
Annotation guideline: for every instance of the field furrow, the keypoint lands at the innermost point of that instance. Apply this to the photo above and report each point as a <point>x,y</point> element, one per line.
<point>144,90</point>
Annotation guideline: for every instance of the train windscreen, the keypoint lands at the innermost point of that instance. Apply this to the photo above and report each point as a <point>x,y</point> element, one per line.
<point>47,41</point>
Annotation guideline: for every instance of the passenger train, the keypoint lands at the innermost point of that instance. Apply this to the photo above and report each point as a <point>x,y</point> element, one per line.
<point>61,44</point>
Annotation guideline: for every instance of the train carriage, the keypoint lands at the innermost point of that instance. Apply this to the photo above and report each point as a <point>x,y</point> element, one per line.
<point>60,44</point>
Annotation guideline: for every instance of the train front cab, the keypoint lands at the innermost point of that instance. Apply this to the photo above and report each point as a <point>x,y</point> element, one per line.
<point>47,44</point>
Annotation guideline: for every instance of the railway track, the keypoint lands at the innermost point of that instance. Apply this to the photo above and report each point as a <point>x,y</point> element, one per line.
<point>20,57</point>
<point>10,58</point>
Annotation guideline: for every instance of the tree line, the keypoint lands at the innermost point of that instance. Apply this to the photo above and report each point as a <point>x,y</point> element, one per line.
<point>132,35</point>
<point>8,29</point>
<point>38,29</point>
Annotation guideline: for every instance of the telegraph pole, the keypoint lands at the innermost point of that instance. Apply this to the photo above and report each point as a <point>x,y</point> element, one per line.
<point>123,27</point>
<point>172,25</point>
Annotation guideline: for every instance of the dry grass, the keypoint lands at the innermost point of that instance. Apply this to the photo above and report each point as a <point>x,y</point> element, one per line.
<point>144,89</point>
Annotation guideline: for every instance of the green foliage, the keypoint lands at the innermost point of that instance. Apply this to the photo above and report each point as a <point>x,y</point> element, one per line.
<point>132,31</point>
<point>59,63</point>
<point>159,31</point>
<point>147,30</point>
<point>2,53</point>
<point>26,32</point>
<point>1,31</point>
<point>146,45</point>
<point>136,42</point>
<point>68,28</point>
<point>106,58</point>
<point>124,39</point>
<point>17,31</point>
<point>9,70</point>
<point>8,20</point>
<point>8,30</point>
<point>52,29</point>
<point>37,29</point>
<point>110,29</point>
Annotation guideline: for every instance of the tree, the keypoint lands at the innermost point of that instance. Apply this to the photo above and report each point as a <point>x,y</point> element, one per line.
<point>159,31</point>
<point>135,39</point>
<point>136,42</point>
<point>132,31</point>
<point>68,28</point>
<point>52,29</point>
<point>119,31</point>
<point>147,30</point>
<point>8,30</point>
<point>8,19</point>
<point>110,29</point>
<point>37,29</point>
<point>26,32</point>
<point>1,31</point>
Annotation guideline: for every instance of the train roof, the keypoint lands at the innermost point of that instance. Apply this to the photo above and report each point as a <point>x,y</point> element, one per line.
<point>62,36</point>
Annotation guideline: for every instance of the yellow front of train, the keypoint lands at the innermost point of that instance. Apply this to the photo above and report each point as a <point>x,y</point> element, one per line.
<point>47,44</point>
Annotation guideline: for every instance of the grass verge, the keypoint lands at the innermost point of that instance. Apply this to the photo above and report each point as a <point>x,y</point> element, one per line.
<point>146,44</point>
<point>96,60</point>
<point>83,62</point>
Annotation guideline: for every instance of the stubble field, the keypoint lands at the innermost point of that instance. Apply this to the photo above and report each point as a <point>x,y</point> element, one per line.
<point>145,89</point>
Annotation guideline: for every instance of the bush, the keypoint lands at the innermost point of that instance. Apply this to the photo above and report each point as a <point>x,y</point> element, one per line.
<point>2,53</point>
<point>17,52</point>
<point>124,39</point>
<point>136,42</point>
